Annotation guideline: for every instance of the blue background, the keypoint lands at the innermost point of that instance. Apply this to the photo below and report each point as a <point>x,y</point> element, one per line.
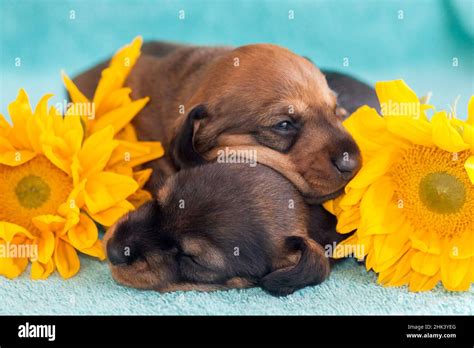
<point>379,45</point>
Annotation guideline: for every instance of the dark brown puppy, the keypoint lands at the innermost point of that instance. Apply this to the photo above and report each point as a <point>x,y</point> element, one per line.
<point>260,97</point>
<point>220,226</point>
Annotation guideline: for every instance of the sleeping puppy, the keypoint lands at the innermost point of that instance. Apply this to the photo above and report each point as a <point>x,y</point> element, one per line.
<point>260,98</point>
<point>220,226</point>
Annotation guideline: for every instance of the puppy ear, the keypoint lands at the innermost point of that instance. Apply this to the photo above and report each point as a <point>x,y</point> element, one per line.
<point>184,152</point>
<point>311,269</point>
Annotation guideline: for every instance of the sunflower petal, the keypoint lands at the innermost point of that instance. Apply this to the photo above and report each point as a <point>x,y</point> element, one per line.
<point>373,206</point>
<point>132,154</point>
<point>105,189</point>
<point>126,57</point>
<point>96,152</point>
<point>416,131</point>
<point>425,263</point>
<point>74,92</point>
<point>420,282</point>
<point>41,270</point>
<point>111,215</point>
<point>11,156</point>
<point>139,197</point>
<point>20,112</point>
<point>397,99</point>
<point>453,271</point>
<point>84,234</point>
<point>469,166</point>
<point>445,136</point>
<point>372,170</point>
<point>470,111</point>
<point>96,250</point>
<point>12,267</point>
<point>9,230</point>
<point>118,118</point>
<point>66,259</point>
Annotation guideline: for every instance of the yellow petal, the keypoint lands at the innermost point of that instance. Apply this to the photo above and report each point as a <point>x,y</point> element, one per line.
<point>84,234</point>
<point>9,230</point>
<point>425,241</point>
<point>416,131</point>
<point>402,269</point>
<point>127,133</point>
<point>114,100</point>
<point>139,197</point>
<point>453,271</point>
<point>126,57</point>
<point>6,127</point>
<point>11,156</point>
<point>425,263</point>
<point>142,176</point>
<point>366,126</point>
<point>103,190</point>
<point>445,136</point>
<point>12,267</point>
<point>470,111</point>
<point>469,166</point>
<point>346,248</point>
<point>66,259</point>
<point>420,282</point>
<point>96,250</point>
<point>96,152</point>
<point>386,261</point>
<point>465,284</point>
<point>37,124</point>
<point>330,206</point>
<point>461,246</point>
<point>118,118</point>
<point>351,197</point>
<point>74,92</point>
<point>374,205</point>
<point>389,248</point>
<point>41,270</point>
<point>49,222</point>
<point>375,168</point>
<point>397,99</point>
<point>348,220</point>
<point>110,216</point>
<point>132,154</point>
<point>20,112</point>
<point>466,131</point>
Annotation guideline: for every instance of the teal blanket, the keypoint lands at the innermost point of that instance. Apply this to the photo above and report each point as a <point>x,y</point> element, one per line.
<point>350,290</point>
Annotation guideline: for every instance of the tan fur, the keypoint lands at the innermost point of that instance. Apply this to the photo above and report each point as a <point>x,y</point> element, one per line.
<point>242,89</point>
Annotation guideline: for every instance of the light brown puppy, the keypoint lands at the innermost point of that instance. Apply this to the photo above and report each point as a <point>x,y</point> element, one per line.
<point>261,98</point>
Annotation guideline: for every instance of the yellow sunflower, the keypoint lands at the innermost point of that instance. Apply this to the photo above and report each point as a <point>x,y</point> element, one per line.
<point>412,203</point>
<point>60,175</point>
<point>54,185</point>
<point>112,105</point>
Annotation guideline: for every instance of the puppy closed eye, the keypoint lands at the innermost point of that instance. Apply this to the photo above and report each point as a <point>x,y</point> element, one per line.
<point>280,135</point>
<point>189,259</point>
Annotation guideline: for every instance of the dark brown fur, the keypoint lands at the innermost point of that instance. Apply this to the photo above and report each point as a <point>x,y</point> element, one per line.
<point>220,226</point>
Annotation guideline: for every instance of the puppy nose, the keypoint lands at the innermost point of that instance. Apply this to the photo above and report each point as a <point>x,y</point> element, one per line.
<point>118,255</point>
<point>347,165</point>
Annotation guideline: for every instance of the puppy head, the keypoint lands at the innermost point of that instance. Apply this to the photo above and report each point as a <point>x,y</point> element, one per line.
<point>216,227</point>
<point>266,99</point>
